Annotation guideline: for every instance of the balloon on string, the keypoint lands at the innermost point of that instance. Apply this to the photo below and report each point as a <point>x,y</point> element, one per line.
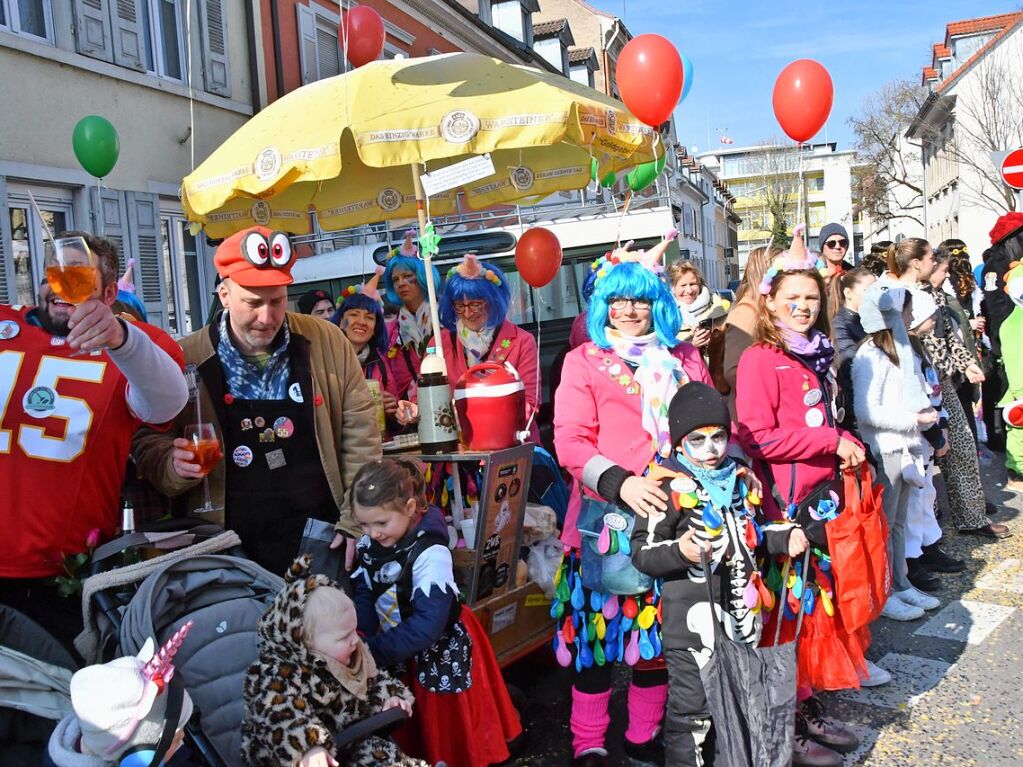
<point>364,37</point>
<point>96,145</point>
<point>644,175</point>
<point>687,77</point>
<point>538,256</point>
<point>802,99</point>
<point>649,77</point>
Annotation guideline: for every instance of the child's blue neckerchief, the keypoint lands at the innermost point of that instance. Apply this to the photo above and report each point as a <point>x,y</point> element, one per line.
<point>719,483</point>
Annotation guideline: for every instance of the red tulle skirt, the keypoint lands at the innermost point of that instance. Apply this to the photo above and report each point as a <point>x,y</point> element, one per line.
<point>828,656</point>
<point>468,729</point>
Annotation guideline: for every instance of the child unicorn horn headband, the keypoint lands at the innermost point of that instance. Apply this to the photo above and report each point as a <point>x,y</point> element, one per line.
<point>652,258</point>
<point>407,248</point>
<point>471,269</point>
<point>796,259</point>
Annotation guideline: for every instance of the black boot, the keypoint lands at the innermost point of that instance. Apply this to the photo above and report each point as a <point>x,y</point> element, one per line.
<point>937,561</point>
<point>921,577</point>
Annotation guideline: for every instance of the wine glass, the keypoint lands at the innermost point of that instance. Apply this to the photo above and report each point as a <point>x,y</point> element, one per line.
<point>207,453</point>
<point>71,269</point>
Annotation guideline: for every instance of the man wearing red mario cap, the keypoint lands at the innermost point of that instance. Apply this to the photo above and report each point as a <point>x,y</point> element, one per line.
<point>286,396</point>
<point>1006,247</point>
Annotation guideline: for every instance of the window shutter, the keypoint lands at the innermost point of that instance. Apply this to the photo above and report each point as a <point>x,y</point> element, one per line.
<point>126,20</point>
<point>7,287</point>
<point>307,44</point>
<point>92,29</point>
<point>216,68</point>
<point>328,56</point>
<point>147,247</point>
<point>109,218</point>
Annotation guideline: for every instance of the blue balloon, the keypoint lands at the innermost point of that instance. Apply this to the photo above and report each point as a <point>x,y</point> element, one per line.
<point>687,76</point>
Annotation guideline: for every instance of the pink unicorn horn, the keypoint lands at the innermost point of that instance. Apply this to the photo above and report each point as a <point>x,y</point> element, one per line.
<point>407,248</point>
<point>159,668</point>
<point>127,283</point>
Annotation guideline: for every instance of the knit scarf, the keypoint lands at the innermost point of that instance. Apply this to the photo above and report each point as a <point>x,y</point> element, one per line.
<point>356,675</point>
<point>814,349</point>
<point>248,381</point>
<point>719,483</point>
<point>691,313</point>
<point>476,342</point>
<point>414,329</point>
<point>659,374</point>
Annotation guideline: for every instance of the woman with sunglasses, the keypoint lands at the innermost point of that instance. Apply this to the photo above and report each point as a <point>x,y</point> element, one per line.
<point>610,423</point>
<point>473,311</point>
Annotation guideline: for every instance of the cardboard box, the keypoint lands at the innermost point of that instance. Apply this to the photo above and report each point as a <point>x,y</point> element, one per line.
<point>518,622</point>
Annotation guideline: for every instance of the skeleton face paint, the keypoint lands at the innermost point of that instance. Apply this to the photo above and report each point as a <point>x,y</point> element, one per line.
<point>706,447</point>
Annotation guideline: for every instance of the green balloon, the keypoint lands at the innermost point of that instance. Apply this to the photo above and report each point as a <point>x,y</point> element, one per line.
<point>593,169</point>
<point>96,145</point>
<point>644,175</point>
<point>609,179</point>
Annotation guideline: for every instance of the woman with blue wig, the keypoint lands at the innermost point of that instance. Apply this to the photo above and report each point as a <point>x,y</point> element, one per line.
<point>360,315</point>
<point>473,311</point>
<point>610,424</point>
<point>409,336</point>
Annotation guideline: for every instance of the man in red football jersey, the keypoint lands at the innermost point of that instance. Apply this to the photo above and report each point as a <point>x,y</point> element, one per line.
<point>75,384</point>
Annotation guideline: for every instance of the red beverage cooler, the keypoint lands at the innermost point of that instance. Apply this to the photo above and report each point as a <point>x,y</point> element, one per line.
<point>490,402</point>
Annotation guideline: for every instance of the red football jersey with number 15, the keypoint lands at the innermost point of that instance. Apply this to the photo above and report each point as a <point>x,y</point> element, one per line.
<point>65,434</point>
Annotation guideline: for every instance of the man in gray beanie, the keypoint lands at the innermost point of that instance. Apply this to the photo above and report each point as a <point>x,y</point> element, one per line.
<point>834,240</point>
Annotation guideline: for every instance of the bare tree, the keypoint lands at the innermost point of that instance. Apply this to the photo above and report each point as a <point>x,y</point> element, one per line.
<point>773,170</point>
<point>889,185</point>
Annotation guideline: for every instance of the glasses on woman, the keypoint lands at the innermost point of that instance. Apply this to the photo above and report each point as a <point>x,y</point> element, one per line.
<point>640,304</point>
<point>469,307</point>
<point>841,243</point>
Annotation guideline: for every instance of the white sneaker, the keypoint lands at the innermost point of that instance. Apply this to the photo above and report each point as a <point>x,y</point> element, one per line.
<point>918,599</point>
<point>897,610</point>
<point>876,676</point>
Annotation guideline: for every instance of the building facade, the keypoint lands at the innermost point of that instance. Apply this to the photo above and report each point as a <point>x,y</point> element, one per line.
<point>970,117</point>
<point>760,177</point>
<point>174,87</point>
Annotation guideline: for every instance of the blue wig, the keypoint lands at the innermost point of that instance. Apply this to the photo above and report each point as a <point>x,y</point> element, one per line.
<point>633,280</point>
<point>589,283</point>
<point>408,264</point>
<point>132,302</point>
<point>359,301</point>
<point>481,288</point>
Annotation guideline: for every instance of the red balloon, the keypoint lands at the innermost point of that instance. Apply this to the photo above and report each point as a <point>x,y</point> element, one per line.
<point>650,78</point>
<point>803,95</point>
<point>538,256</point>
<point>365,35</point>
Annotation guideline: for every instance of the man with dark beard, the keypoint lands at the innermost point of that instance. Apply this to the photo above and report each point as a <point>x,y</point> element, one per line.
<point>75,384</point>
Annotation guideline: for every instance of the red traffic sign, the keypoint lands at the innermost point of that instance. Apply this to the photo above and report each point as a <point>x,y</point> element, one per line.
<point>1012,169</point>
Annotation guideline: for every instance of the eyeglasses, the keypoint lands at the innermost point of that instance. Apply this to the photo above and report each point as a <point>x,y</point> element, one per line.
<point>469,307</point>
<point>837,243</point>
<point>641,304</point>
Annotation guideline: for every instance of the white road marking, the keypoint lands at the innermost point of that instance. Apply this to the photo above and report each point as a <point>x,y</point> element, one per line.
<point>965,621</point>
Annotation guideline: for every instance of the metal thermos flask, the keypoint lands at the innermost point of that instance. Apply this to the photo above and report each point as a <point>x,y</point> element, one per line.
<point>438,431</point>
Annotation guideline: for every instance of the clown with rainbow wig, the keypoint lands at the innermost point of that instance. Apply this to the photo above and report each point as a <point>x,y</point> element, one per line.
<point>474,312</point>
<point>610,424</point>
<point>410,334</point>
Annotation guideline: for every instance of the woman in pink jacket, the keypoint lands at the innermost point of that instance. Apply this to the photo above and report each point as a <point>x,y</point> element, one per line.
<point>785,406</point>
<point>610,422</point>
<point>473,311</point>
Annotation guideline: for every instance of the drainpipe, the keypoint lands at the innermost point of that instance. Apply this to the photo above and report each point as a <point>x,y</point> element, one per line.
<point>250,31</point>
<point>275,30</point>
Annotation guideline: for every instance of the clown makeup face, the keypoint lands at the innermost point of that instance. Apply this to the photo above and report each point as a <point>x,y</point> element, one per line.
<point>359,325</point>
<point>706,447</point>
<point>472,312</point>
<point>796,302</point>
<point>408,289</point>
<point>686,288</point>
<point>630,316</point>
<point>336,639</point>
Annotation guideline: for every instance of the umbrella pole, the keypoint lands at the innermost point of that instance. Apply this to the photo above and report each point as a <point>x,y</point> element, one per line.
<point>431,288</point>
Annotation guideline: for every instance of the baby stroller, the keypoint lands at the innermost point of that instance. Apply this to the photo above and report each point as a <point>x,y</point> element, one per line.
<point>35,674</point>
<point>224,595</point>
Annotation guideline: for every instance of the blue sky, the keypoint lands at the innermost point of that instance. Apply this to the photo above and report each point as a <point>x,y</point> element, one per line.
<point>739,47</point>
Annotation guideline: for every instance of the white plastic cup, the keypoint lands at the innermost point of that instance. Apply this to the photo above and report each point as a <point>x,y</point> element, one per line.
<point>468,527</point>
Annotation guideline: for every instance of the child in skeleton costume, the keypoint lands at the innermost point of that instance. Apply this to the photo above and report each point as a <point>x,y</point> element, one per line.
<point>712,508</point>
<point>314,677</point>
<point>409,610</point>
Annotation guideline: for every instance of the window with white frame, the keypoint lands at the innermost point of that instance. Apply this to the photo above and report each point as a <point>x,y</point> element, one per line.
<point>164,39</point>
<point>319,48</point>
<point>27,17</point>
<point>183,273</point>
<point>30,227</point>
<point>514,18</point>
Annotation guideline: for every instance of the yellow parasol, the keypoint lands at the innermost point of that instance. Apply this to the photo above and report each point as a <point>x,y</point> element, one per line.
<point>352,147</point>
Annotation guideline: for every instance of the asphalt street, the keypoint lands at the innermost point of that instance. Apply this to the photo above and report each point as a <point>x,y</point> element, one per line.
<point>956,694</point>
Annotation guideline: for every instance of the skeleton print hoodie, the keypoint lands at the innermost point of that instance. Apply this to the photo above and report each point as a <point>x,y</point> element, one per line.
<point>737,532</point>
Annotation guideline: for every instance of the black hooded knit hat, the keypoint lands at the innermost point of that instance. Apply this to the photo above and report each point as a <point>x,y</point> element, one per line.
<point>693,406</point>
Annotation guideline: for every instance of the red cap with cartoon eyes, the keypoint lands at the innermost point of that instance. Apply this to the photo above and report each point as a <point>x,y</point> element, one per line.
<point>256,258</point>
